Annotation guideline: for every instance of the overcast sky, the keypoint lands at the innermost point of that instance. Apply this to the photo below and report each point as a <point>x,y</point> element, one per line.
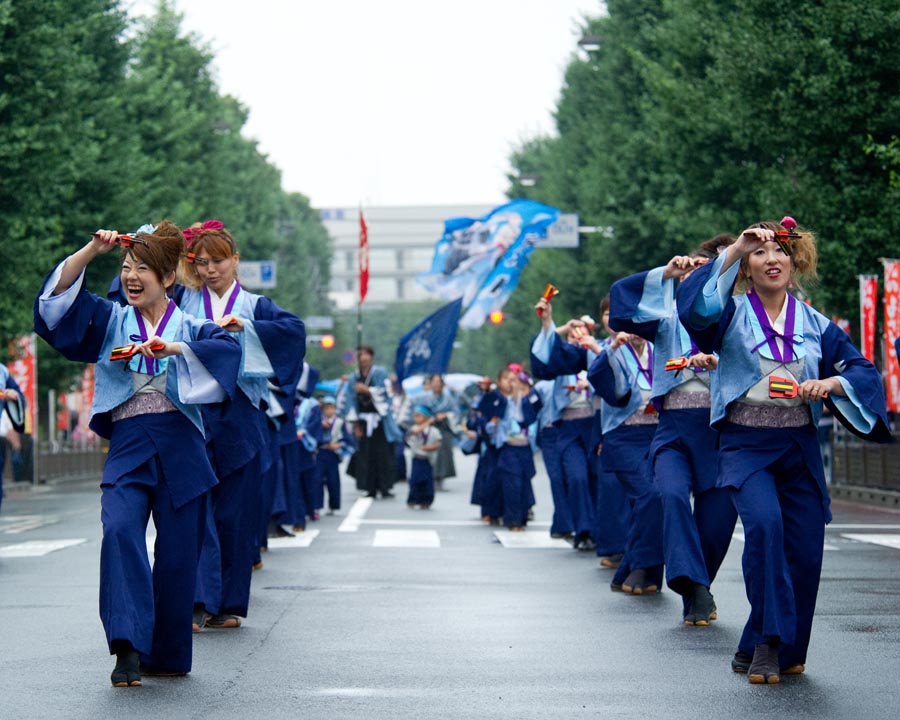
<point>391,102</point>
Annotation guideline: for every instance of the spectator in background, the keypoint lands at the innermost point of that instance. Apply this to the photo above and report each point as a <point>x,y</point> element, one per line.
<point>12,408</point>
<point>366,401</point>
<point>445,408</point>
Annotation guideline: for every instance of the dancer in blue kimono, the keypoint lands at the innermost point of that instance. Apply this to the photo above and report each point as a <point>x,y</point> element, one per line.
<point>569,412</point>
<point>445,407</point>
<point>510,413</point>
<point>12,402</point>
<point>281,482</point>
<point>561,525</point>
<point>335,444</point>
<point>695,540</point>
<point>779,359</point>
<point>308,430</point>
<point>366,401</point>
<point>273,343</point>
<point>624,499</point>
<point>475,441</point>
<point>424,441</point>
<point>148,405</point>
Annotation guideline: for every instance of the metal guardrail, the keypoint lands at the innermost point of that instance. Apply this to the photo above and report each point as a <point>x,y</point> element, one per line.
<point>55,462</point>
<point>853,466</point>
<point>863,464</point>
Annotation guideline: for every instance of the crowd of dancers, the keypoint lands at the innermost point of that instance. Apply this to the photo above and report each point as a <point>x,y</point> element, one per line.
<point>689,414</point>
<point>700,406</point>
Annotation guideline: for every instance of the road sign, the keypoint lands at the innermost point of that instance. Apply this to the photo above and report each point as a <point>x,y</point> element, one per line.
<point>563,233</point>
<point>258,273</point>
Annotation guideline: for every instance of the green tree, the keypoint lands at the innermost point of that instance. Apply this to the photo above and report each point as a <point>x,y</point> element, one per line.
<point>55,56</point>
<point>695,118</point>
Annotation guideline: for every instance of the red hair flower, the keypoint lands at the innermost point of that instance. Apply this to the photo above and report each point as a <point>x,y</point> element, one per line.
<point>788,223</point>
<point>192,232</point>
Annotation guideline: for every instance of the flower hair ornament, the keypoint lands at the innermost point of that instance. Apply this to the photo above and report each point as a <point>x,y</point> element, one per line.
<point>784,237</point>
<point>192,232</point>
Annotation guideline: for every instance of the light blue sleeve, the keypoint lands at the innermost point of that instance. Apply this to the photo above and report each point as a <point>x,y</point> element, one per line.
<point>54,307</point>
<point>658,298</point>
<point>196,385</point>
<point>543,343</point>
<point>853,410</point>
<point>255,361</point>
<point>716,293</point>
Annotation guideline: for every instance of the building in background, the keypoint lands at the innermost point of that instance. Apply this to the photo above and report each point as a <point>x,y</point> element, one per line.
<point>401,245</point>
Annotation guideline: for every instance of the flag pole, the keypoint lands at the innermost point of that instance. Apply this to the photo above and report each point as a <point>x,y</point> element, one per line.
<point>363,263</point>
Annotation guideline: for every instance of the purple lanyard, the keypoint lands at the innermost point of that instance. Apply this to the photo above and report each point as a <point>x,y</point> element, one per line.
<point>151,364</point>
<point>647,372</point>
<point>229,306</point>
<point>771,333</point>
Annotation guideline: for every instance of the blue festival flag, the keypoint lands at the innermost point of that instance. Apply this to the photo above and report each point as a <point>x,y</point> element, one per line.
<point>471,249</point>
<point>504,276</point>
<point>427,347</point>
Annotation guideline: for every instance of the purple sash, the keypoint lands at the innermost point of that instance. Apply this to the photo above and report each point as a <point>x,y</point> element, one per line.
<point>647,372</point>
<point>151,365</point>
<point>229,306</point>
<point>771,334</point>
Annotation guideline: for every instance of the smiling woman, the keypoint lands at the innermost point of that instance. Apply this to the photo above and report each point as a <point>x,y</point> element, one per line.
<point>155,367</point>
<point>779,359</point>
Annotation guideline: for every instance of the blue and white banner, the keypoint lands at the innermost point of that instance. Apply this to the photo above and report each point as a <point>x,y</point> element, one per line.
<point>475,254</point>
<point>427,347</point>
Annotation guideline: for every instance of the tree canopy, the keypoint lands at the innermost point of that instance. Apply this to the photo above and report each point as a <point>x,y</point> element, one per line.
<point>109,123</point>
<point>696,117</point>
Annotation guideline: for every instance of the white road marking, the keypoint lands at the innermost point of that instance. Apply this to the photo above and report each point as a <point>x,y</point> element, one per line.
<point>300,540</point>
<point>357,513</point>
<point>38,548</point>
<point>530,540</point>
<point>426,523</point>
<point>739,536</point>
<point>862,526</point>
<point>406,539</point>
<point>891,541</point>
<point>23,523</point>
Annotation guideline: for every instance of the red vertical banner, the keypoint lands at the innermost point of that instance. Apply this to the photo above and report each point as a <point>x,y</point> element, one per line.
<point>891,332</point>
<point>87,399</point>
<point>868,304</point>
<point>363,258</point>
<point>23,370</point>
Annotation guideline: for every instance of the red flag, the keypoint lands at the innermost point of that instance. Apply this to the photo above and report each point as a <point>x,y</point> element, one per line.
<point>24,371</point>
<point>363,258</point>
<point>891,332</point>
<point>868,299</point>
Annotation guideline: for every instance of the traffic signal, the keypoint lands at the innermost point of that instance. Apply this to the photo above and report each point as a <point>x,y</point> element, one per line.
<point>327,341</point>
<point>496,317</point>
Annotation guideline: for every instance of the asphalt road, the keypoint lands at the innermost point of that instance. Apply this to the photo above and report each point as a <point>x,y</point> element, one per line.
<point>389,612</point>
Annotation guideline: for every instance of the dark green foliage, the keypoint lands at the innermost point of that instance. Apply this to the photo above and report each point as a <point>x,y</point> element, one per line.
<point>102,127</point>
<point>697,117</point>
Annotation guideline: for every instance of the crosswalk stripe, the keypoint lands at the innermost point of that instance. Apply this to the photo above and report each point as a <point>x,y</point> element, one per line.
<point>22,523</point>
<point>38,548</point>
<point>300,540</point>
<point>357,513</point>
<point>739,536</point>
<point>530,540</point>
<point>406,539</point>
<point>891,541</point>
